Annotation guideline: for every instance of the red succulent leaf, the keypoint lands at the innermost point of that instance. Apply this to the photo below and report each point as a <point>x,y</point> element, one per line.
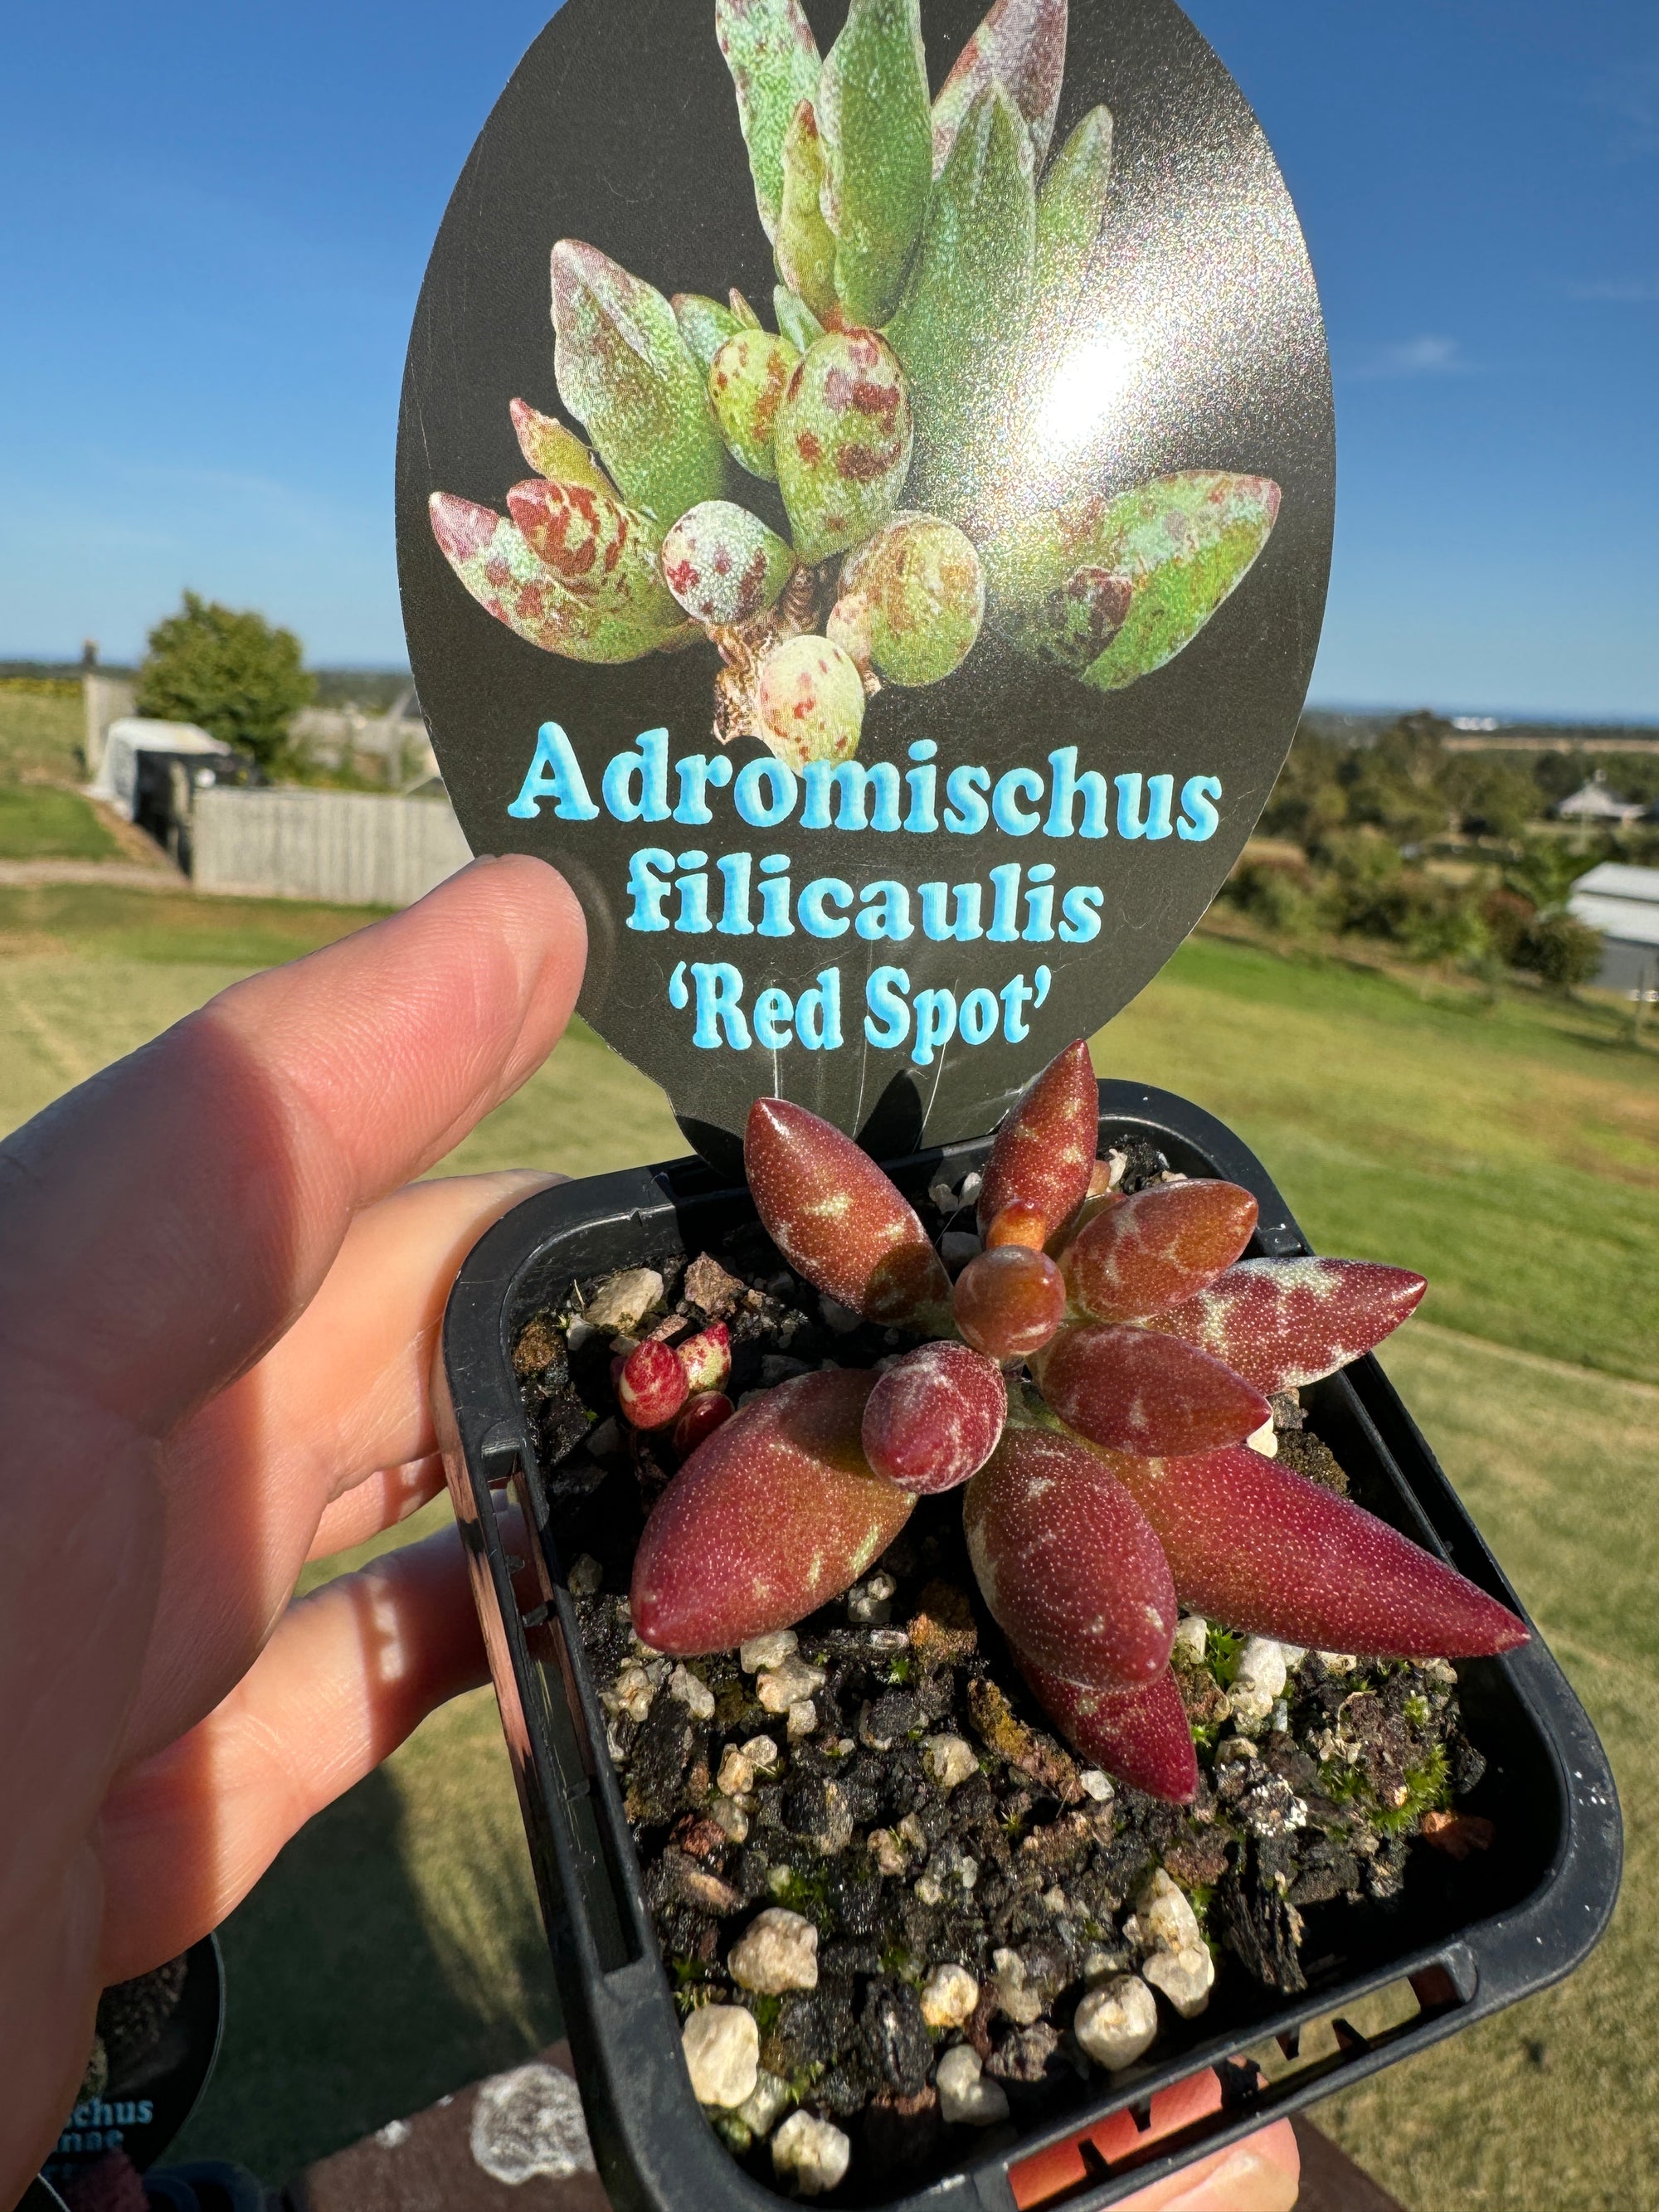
<point>1009,1301</point>
<point>699,1416</point>
<point>1017,1222</point>
<point>1281,1323</point>
<point>770,1518</point>
<point>1133,1391</point>
<point>1158,1248</point>
<point>1140,1736</point>
<point>1044,1152</point>
<point>839,1220</point>
<point>1256,1545</point>
<point>1068,1564</point>
<point>707,1357</point>
<point>651,1385</point>
<point>935,1417</point>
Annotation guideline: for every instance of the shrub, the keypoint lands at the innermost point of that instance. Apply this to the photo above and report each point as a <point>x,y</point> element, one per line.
<point>1560,949</point>
<point>233,675</point>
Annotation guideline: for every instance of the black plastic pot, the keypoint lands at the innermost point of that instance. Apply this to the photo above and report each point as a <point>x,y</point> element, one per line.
<point>1460,1943</point>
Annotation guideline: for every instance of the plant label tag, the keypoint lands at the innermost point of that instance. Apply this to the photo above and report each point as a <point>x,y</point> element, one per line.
<point>865,485</point>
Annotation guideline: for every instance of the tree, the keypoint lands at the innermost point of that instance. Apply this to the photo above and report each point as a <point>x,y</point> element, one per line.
<point>235,675</point>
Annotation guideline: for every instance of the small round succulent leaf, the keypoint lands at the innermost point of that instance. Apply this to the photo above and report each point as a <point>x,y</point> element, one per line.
<point>922,581</point>
<point>935,1417</point>
<point>723,565</point>
<point>1009,1301</point>
<point>810,699</point>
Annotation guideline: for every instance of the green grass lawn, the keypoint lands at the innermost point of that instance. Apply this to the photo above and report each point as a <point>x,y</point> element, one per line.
<point>1510,1149</point>
<point>41,734</point>
<point>39,822</point>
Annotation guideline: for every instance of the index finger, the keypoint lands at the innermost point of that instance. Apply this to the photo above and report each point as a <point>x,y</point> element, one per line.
<point>164,1222</point>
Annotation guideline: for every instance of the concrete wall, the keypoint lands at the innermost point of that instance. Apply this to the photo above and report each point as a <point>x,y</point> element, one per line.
<point>353,849</point>
<point>105,699</point>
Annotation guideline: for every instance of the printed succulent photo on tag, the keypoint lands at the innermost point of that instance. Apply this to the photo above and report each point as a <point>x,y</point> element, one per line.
<point>865,501</point>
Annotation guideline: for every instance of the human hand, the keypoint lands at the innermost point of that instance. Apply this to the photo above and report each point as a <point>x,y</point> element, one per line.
<point>217,1314</point>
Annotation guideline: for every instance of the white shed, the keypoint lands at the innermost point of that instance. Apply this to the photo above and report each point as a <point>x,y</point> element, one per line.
<point>1623,903</point>
<point>132,734</point>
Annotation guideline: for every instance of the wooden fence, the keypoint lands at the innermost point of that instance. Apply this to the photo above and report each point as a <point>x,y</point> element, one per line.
<point>351,848</point>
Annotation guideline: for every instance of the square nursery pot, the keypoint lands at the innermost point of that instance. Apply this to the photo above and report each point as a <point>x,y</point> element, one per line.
<point>1455,1945</point>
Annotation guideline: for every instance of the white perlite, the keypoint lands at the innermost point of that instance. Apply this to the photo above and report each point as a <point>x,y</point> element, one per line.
<point>529,2122</point>
<point>761,1754</point>
<point>949,1759</point>
<point>770,1651</point>
<point>1186,1977</point>
<point>1023,2005</point>
<point>737,1776</point>
<point>964,2094</point>
<point>623,1303</point>
<point>697,1697</point>
<point>1164,1919</point>
<point>1258,1680</point>
<point>948,1996</point>
<point>1098,1785</point>
<point>803,1719</point>
<point>771,2100</point>
<point>729,1818</point>
<point>1116,2022</point>
<point>809,2153</point>
<point>1190,1639</point>
<point>1265,1439</point>
<point>779,1950</point>
<point>721,2044</point>
<point>780,1687</point>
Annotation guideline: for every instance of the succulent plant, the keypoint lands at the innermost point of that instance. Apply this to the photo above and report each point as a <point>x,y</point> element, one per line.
<point>1091,1381</point>
<point>932,260</point>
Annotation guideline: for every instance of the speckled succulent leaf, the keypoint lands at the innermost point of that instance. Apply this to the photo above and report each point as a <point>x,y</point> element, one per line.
<point>805,247</point>
<point>1158,1248</point>
<point>1078,620</point>
<point>652,1387</point>
<point>705,325</point>
<point>926,594</point>
<point>935,1417</point>
<point>1281,1323</point>
<point>878,136</point>
<point>849,624</point>
<point>602,552</point>
<point>1186,542</point>
<point>554,452</point>
<point>1117,1386</point>
<point>1009,1301</point>
<point>810,701</point>
<point>1067,1563</point>
<point>772,1516</point>
<point>843,443</point>
<point>773,60</point>
<point>1253,1543</point>
<point>747,380</point>
<point>960,328</point>
<point>747,319</point>
<point>1020,45</point>
<point>489,555</point>
<point>795,320</point>
<point>707,1357</point>
<point>723,565</point>
<point>839,1220</point>
<point>1140,1736</point>
<point>1044,1152</point>
<point>622,367</point>
<point>1070,212</point>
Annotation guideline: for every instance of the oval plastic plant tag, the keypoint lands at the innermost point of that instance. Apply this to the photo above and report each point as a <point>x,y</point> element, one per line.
<point>864,493</point>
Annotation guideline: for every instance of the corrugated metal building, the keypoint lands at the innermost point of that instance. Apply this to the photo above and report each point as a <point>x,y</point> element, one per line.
<point>1623,903</point>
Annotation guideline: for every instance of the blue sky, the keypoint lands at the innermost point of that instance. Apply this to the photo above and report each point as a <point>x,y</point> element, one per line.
<point>213,224</point>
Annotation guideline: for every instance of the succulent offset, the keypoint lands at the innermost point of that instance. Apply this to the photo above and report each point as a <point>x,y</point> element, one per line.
<point>1093,1378</point>
<point>834,505</point>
